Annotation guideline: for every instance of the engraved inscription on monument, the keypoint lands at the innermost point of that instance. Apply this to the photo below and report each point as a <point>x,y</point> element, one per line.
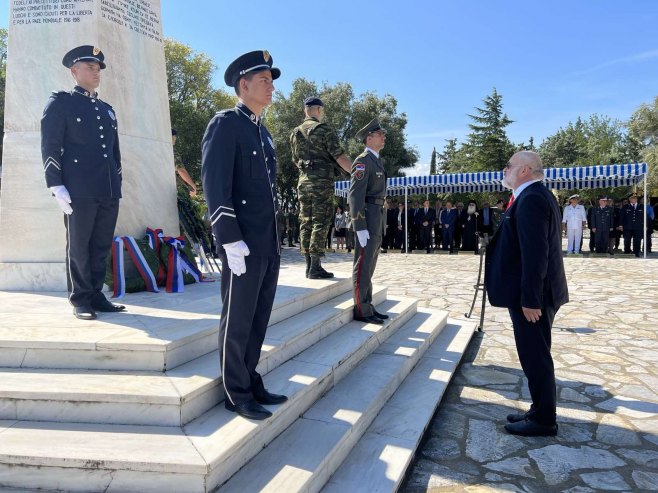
<point>42,12</point>
<point>136,15</point>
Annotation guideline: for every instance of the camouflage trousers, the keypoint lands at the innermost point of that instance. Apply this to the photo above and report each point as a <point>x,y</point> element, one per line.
<point>316,212</point>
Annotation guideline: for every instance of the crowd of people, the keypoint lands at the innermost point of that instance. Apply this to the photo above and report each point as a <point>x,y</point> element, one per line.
<point>441,226</point>
<point>453,227</point>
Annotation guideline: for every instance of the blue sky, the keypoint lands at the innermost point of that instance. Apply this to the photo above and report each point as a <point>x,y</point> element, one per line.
<point>551,61</point>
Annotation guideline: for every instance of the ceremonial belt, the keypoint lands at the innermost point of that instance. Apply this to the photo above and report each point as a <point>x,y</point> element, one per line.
<point>375,201</point>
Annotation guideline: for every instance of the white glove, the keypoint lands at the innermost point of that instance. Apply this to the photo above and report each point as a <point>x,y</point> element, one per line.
<point>235,254</point>
<point>363,236</point>
<point>63,198</point>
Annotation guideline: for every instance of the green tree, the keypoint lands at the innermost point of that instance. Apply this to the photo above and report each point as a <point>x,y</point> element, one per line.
<point>447,160</point>
<point>597,140</point>
<point>3,79</point>
<point>192,100</point>
<point>490,146</point>
<point>643,139</point>
<point>433,162</point>
<point>566,147</point>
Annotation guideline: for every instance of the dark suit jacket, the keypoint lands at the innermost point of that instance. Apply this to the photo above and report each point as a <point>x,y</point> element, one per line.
<point>524,266</point>
<point>448,217</point>
<point>421,217</point>
<point>481,226</point>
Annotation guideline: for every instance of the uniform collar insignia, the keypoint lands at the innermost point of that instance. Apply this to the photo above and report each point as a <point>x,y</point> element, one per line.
<point>84,92</point>
<point>244,109</point>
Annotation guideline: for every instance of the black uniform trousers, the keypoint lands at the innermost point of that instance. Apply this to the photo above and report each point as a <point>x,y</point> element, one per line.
<point>636,235</point>
<point>533,345</point>
<point>602,237</point>
<point>365,261</point>
<point>246,307</point>
<point>89,234</point>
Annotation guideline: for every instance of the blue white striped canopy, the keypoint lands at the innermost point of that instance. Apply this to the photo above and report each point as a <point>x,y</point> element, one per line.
<point>580,177</point>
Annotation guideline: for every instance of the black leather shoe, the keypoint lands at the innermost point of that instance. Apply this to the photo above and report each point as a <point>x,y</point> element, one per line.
<point>530,428</point>
<point>84,312</point>
<point>106,306</point>
<point>515,418</point>
<point>380,315</point>
<point>370,320</point>
<point>265,397</point>
<point>248,409</point>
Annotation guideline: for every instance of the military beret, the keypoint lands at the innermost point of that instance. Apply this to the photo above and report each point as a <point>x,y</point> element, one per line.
<point>313,101</point>
<point>574,196</point>
<point>372,126</point>
<point>174,131</point>
<point>632,195</point>
<point>85,53</point>
<point>254,61</point>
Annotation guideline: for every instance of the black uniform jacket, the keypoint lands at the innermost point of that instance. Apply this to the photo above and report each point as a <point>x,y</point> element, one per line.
<point>524,266</point>
<point>633,218</point>
<point>238,170</point>
<point>80,145</point>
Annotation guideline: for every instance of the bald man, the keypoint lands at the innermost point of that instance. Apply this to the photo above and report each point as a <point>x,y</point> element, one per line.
<point>525,273</point>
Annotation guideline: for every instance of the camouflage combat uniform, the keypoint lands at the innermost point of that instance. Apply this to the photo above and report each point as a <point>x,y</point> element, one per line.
<point>315,147</point>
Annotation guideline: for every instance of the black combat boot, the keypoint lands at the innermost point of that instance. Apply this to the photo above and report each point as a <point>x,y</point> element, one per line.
<point>308,263</point>
<point>316,271</point>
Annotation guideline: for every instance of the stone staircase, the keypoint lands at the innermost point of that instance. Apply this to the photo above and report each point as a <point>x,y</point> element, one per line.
<point>133,401</point>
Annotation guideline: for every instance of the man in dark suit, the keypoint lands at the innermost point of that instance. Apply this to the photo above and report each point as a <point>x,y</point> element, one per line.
<point>401,222</point>
<point>425,218</point>
<point>447,221</point>
<point>391,227</point>
<point>438,207</point>
<point>485,219</point>
<point>238,170</point>
<point>412,228</point>
<point>525,273</point>
<point>459,209</point>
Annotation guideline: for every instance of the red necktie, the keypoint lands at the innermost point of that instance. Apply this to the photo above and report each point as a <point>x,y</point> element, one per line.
<point>511,201</point>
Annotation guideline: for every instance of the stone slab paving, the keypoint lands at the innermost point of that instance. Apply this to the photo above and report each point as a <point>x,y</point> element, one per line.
<point>605,346</point>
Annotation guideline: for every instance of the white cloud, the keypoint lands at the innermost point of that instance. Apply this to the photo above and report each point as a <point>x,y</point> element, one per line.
<point>638,57</point>
<point>418,170</point>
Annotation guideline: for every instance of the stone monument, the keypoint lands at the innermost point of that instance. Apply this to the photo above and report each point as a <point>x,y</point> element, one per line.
<point>32,247</point>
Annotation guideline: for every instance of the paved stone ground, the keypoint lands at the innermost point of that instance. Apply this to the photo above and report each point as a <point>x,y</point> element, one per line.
<point>605,347</point>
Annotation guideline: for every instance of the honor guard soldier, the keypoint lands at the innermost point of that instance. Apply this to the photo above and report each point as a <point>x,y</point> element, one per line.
<point>238,170</point>
<point>316,151</point>
<point>574,220</point>
<point>82,164</point>
<point>602,225</point>
<point>366,199</point>
<point>632,221</point>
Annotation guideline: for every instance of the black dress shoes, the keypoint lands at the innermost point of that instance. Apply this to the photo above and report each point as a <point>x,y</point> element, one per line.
<point>515,418</point>
<point>530,428</point>
<point>84,312</point>
<point>249,409</point>
<point>267,398</point>
<point>370,320</point>
<point>380,315</point>
<point>106,306</point>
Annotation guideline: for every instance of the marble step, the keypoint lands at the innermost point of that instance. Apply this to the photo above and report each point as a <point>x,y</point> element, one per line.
<point>379,461</point>
<point>197,457</point>
<point>160,331</point>
<point>173,398</point>
<point>304,456</point>
<point>228,442</point>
